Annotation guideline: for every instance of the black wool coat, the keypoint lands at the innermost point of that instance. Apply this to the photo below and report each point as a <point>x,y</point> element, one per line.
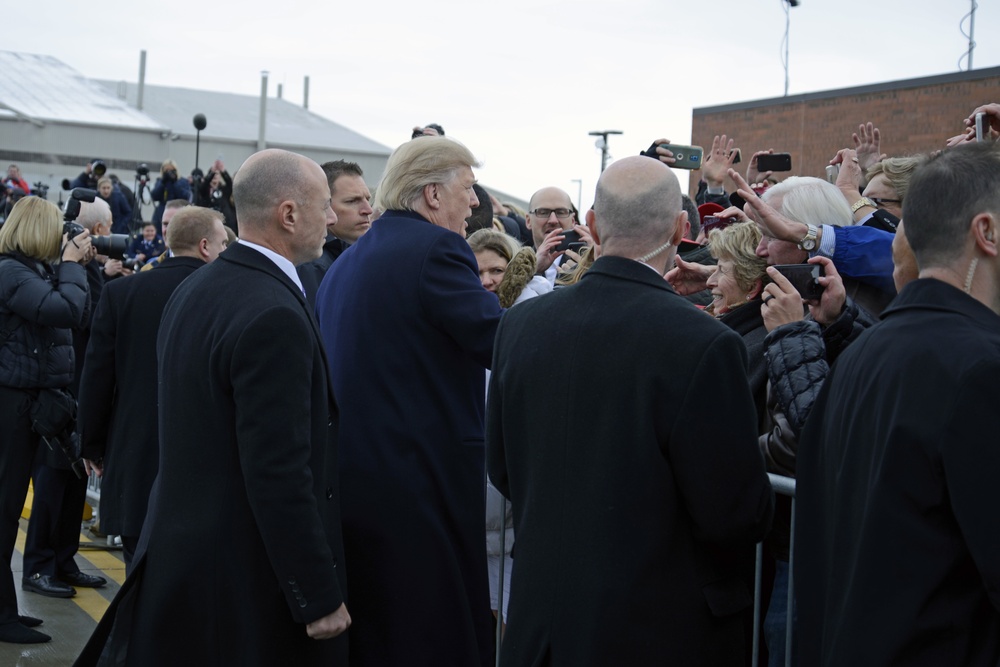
<point>118,390</point>
<point>242,546</point>
<point>897,559</point>
<point>621,426</point>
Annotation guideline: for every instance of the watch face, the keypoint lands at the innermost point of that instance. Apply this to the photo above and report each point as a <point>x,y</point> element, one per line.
<point>808,244</point>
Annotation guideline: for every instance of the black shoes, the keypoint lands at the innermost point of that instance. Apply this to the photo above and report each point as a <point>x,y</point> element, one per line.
<point>17,633</point>
<point>30,621</point>
<point>83,580</point>
<point>45,585</point>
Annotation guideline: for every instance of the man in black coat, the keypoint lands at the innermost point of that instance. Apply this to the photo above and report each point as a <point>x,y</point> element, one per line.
<point>240,561</point>
<point>118,391</point>
<point>897,556</point>
<point>621,426</point>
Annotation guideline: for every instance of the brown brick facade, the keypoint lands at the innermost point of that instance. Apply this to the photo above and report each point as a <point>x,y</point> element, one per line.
<point>913,116</point>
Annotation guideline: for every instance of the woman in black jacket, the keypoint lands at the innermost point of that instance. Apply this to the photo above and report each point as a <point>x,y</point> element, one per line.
<point>38,306</point>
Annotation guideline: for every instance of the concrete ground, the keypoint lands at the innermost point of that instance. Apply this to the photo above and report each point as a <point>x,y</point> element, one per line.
<point>69,621</point>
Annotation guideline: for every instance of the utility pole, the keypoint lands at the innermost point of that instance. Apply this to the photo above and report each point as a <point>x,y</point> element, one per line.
<point>602,143</point>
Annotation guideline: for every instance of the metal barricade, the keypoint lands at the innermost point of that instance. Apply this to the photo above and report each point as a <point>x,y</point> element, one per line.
<point>786,487</point>
<point>781,485</point>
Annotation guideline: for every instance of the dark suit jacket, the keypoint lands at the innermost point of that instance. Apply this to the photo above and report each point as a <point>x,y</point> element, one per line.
<point>897,555</point>
<point>311,273</point>
<point>118,390</point>
<point>241,547</point>
<point>409,330</point>
<point>622,428</point>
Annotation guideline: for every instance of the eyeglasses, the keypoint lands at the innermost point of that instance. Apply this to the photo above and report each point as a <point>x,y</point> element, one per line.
<point>879,202</point>
<point>561,213</point>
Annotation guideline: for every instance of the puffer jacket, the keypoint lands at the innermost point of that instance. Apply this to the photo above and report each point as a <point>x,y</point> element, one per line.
<point>799,356</point>
<point>38,308</point>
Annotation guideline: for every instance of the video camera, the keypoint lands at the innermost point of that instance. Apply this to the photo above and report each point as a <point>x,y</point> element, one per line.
<point>113,245</point>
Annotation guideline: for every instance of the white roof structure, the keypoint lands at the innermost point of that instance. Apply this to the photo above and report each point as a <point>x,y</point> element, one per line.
<point>237,117</point>
<point>41,89</point>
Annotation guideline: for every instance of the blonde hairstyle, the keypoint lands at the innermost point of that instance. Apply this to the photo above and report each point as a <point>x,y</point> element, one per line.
<point>104,179</point>
<point>738,244</point>
<point>189,226</point>
<point>417,164</point>
<point>521,262</point>
<point>898,171</point>
<point>33,229</point>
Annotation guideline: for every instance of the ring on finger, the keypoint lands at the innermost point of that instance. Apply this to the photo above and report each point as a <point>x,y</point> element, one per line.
<point>767,297</point>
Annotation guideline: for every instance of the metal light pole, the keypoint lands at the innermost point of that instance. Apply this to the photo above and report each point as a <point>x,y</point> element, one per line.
<point>602,143</point>
<point>200,123</point>
<point>788,21</point>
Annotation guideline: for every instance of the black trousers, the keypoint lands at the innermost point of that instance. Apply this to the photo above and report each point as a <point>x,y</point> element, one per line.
<point>54,529</point>
<point>18,444</point>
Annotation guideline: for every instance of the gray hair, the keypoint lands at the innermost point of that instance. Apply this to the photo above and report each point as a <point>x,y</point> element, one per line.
<point>812,200</point>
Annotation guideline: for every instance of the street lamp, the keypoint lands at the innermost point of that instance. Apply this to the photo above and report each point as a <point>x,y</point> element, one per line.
<point>602,143</point>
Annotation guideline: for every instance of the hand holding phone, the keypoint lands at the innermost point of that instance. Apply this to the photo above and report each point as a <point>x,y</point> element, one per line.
<point>804,278</point>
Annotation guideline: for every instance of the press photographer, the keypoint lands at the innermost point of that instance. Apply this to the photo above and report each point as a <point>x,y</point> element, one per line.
<point>39,305</point>
<point>170,185</point>
<point>217,192</point>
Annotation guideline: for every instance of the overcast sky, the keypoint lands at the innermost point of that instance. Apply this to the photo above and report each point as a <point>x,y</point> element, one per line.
<point>520,83</point>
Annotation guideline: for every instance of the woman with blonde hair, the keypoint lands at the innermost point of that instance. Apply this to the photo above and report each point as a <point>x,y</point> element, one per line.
<point>737,284</point>
<point>506,268</point>
<point>39,305</point>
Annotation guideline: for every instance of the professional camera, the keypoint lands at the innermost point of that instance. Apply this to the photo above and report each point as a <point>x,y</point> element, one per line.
<point>40,189</point>
<point>170,176</point>
<point>98,168</point>
<point>112,245</point>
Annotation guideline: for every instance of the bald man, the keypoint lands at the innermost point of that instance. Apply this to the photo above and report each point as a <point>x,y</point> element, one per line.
<point>550,215</point>
<point>636,507</point>
<point>240,561</point>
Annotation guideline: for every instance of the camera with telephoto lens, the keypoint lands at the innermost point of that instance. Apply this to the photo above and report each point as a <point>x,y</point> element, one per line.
<point>98,168</point>
<point>112,245</point>
<point>170,176</point>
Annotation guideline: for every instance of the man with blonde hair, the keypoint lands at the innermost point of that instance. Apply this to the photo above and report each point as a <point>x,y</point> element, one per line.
<point>403,310</point>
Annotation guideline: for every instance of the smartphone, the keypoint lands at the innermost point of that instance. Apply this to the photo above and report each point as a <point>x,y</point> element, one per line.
<point>686,157</point>
<point>804,278</point>
<point>571,241</point>
<point>982,127</point>
<point>774,162</point>
<point>710,222</point>
<point>739,156</point>
<point>736,200</point>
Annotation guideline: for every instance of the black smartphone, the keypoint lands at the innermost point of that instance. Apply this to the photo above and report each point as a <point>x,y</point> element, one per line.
<point>804,278</point>
<point>736,200</point>
<point>570,242</point>
<point>774,162</point>
<point>739,156</point>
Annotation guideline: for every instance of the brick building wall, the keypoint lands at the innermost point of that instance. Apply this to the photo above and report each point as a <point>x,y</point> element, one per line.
<point>913,116</point>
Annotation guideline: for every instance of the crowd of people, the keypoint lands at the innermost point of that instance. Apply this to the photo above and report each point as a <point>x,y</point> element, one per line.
<point>318,379</point>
